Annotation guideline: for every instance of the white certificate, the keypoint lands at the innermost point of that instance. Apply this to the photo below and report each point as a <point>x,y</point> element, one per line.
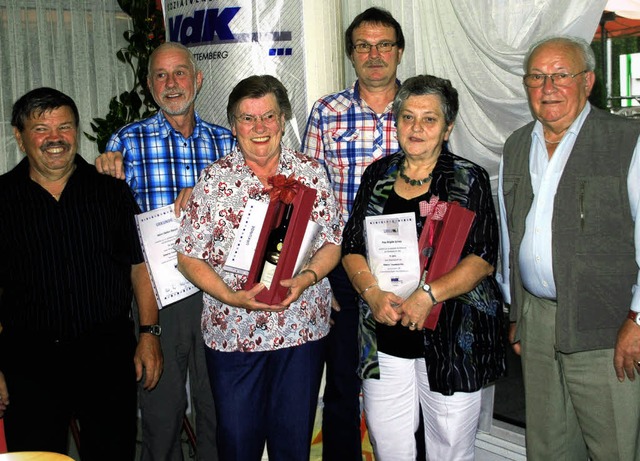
<point>392,252</point>
<point>157,230</point>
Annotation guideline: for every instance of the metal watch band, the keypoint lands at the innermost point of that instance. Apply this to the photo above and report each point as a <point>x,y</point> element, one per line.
<point>426,287</point>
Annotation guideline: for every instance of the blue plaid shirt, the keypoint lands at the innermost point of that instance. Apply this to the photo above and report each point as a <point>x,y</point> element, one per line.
<point>345,135</point>
<point>159,162</point>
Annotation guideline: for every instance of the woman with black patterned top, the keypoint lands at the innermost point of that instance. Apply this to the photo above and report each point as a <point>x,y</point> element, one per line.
<point>403,365</point>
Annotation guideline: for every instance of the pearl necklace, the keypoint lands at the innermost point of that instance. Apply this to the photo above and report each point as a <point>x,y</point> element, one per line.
<point>413,182</point>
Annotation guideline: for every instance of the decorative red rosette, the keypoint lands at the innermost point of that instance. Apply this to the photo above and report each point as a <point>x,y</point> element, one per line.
<point>283,188</point>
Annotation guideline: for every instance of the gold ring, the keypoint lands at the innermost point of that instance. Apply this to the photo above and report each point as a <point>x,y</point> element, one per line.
<point>412,324</point>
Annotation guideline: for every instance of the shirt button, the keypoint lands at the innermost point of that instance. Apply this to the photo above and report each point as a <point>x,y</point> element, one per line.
<point>538,258</point>
<point>545,284</point>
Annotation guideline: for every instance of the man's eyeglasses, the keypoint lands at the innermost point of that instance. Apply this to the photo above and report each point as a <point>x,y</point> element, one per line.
<point>382,47</point>
<point>268,118</point>
<point>557,79</point>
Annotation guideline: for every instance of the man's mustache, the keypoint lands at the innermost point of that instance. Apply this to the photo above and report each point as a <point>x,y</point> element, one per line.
<point>50,144</point>
<point>375,62</point>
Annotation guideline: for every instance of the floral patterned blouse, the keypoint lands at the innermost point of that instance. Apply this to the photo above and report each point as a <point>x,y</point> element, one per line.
<point>208,230</point>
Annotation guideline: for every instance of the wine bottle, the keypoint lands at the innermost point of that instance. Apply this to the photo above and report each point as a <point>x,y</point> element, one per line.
<point>274,247</point>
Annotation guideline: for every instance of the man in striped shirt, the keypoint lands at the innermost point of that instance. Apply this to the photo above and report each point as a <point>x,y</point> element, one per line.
<point>346,132</point>
<point>161,158</point>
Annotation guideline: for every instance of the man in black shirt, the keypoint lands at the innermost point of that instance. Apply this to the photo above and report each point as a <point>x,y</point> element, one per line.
<point>70,261</point>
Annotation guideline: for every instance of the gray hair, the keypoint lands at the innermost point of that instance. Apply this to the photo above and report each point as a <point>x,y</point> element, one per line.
<point>172,46</point>
<point>421,85</point>
<point>579,44</point>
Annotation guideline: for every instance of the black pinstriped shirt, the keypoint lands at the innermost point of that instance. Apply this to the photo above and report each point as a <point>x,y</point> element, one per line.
<point>65,266</point>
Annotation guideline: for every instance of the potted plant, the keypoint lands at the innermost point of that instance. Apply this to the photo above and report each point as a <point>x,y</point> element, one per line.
<point>148,32</point>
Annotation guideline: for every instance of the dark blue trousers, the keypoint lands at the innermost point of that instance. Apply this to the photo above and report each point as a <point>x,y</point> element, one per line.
<point>341,439</point>
<point>266,397</point>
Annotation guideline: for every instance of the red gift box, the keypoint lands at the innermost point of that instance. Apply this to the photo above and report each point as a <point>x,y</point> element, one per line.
<point>3,441</point>
<point>441,243</point>
<point>302,206</point>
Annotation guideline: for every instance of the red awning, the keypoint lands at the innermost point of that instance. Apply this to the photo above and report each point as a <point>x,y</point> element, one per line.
<point>617,26</point>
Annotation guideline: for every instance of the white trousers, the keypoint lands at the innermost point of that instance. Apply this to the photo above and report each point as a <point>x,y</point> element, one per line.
<point>391,406</point>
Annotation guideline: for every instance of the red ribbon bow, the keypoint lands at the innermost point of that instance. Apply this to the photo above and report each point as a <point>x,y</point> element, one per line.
<point>283,188</point>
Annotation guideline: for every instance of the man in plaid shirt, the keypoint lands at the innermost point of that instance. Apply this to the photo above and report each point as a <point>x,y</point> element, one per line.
<point>346,132</point>
<point>161,158</point>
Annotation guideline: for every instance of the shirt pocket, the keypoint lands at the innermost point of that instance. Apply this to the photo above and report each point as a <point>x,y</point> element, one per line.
<point>600,212</point>
<point>343,147</point>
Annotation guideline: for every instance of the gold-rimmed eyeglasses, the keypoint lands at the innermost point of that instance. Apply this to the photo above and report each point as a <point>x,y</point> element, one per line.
<point>268,118</point>
<point>557,79</point>
<point>382,47</point>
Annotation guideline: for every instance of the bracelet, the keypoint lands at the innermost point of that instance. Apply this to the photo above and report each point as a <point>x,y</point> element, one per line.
<point>367,289</point>
<point>312,272</point>
<point>358,273</point>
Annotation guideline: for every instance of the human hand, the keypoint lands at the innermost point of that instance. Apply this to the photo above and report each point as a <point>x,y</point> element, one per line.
<point>4,395</point>
<point>148,360</point>
<point>416,309</point>
<point>335,306</point>
<point>245,299</point>
<point>296,286</point>
<point>384,305</point>
<point>517,348</point>
<point>110,163</point>
<point>182,200</point>
<point>626,356</point>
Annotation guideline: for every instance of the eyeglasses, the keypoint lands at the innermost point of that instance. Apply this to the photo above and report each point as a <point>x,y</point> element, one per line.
<point>268,118</point>
<point>382,47</point>
<point>557,79</point>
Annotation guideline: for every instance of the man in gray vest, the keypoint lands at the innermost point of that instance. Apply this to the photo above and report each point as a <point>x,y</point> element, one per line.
<point>569,198</point>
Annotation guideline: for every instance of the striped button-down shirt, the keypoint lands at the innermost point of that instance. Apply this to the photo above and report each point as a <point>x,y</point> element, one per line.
<point>159,162</point>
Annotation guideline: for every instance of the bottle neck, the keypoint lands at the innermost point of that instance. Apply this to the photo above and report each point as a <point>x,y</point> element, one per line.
<point>286,216</point>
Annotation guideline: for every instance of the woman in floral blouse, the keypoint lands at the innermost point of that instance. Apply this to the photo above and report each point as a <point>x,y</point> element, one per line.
<point>265,361</point>
<point>403,365</point>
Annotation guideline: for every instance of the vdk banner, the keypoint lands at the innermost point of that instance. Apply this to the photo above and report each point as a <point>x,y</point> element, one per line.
<point>231,40</point>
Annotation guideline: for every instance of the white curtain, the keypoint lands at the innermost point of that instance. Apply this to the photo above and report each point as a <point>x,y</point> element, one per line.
<point>479,45</point>
<point>69,45</point>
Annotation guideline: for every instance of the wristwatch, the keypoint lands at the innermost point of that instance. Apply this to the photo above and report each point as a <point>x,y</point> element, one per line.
<point>426,287</point>
<point>155,330</point>
<point>635,316</point>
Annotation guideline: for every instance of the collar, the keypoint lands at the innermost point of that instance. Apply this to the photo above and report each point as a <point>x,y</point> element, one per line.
<point>165,128</point>
<point>356,97</point>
